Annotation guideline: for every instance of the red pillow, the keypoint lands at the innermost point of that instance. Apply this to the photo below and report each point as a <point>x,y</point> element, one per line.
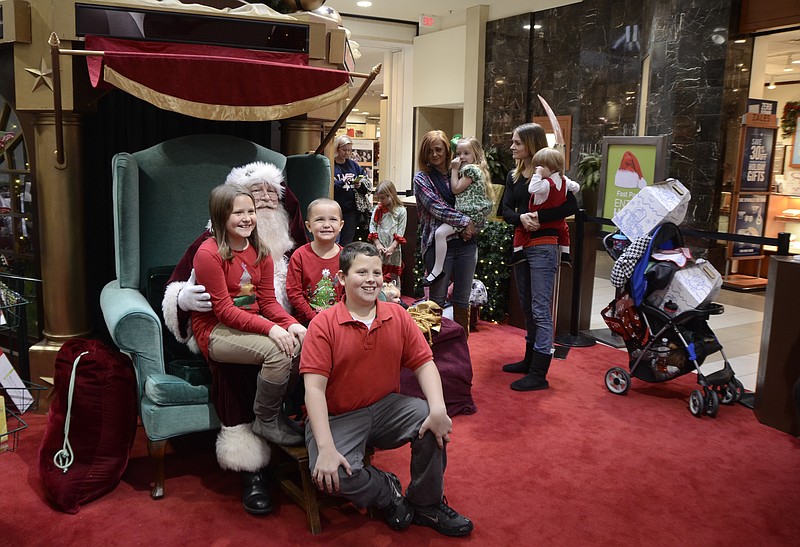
<point>102,425</point>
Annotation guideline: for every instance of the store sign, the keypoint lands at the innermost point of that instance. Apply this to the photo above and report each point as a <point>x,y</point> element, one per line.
<point>761,106</point>
<point>757,159</point>
<point>751,211</point>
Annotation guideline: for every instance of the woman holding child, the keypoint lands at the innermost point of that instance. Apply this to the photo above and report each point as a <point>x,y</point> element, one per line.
<point>436,206</point>
<point>536,246</point>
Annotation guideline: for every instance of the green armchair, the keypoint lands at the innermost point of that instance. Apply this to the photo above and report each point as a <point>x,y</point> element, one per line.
<point>160,207</point>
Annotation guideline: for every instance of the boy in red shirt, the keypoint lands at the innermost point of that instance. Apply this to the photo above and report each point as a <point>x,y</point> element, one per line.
<point>351,364</point>
<point>311,283</point>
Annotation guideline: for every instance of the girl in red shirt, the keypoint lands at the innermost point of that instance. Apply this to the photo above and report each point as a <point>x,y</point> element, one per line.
<point>246,325</point>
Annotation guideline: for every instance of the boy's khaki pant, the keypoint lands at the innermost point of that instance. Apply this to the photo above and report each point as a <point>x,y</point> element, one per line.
<point>391,422</point>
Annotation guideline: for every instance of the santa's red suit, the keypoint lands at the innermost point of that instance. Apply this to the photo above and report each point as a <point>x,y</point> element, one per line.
<point>233,386</point>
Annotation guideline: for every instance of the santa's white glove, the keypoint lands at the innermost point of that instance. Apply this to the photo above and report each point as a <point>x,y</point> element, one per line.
<point>193,297</point>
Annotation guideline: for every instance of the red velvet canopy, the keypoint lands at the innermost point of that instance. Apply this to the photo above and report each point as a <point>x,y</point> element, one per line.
<point>215,82</point>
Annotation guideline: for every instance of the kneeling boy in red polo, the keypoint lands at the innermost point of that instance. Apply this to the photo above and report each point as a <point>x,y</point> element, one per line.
<point>350,364</point>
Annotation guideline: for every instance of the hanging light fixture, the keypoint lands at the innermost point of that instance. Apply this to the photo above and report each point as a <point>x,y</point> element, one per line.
<point>788,67</point>
<point>772,83</point>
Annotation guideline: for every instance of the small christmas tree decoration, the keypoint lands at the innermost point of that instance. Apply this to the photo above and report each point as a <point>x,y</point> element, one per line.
<point>324,294</point>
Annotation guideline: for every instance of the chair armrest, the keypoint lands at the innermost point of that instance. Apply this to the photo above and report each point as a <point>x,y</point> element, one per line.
<point>135,329</point>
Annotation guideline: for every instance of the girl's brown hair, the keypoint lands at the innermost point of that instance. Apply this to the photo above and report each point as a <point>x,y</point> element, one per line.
<point>220,207</point>
<point>550,158</point>
<point>534,139</point>
<point>386,187</point>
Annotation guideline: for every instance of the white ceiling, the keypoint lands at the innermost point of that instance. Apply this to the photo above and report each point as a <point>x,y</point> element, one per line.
<point>780,46</point>
<point>411,10</point>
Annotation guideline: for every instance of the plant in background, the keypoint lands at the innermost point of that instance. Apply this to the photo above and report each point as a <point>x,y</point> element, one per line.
<point>494,256</point>
<point>789,119</point>
<point>498,159</point>
<point>587,170</point>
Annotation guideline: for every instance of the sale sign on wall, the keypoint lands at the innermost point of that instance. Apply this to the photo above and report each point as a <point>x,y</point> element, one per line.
<point>757,159</point>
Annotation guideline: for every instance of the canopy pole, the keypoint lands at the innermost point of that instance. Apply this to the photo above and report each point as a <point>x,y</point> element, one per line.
<point>363,89</point>
<point>58,110</point>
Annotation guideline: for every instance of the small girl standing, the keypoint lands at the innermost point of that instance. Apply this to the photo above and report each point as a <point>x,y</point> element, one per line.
<point>246,324</point>
<point>387,227</point>
<point>469,176</point>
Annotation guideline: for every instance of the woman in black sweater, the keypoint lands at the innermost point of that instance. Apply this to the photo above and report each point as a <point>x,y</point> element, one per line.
<point>538,265</point>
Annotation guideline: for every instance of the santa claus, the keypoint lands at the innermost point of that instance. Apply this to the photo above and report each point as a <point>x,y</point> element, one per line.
<point>233,388</point>
<point>629,174</point>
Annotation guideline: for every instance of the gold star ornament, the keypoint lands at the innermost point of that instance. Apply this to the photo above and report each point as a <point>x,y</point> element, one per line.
<point>43,75</point>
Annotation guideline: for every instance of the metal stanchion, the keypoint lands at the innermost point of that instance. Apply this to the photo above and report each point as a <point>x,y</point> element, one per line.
<point>575,339</point>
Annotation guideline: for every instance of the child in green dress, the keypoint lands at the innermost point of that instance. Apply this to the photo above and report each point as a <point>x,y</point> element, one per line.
<point>469,180</point>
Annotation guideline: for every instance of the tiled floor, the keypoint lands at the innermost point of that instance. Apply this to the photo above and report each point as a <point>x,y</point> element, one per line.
<point>738,329</point>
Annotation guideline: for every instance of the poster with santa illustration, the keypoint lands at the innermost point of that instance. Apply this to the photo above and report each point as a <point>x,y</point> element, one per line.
<point>629,164</point>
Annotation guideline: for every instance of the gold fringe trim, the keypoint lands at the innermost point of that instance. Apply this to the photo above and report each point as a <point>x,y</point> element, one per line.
<point>223,112</point>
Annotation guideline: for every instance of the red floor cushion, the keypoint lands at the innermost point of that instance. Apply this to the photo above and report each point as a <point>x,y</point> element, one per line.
<point>451,355</point>
<point>102,424</point>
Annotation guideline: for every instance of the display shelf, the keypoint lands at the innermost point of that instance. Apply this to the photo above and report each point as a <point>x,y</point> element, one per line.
<point>10,439</point>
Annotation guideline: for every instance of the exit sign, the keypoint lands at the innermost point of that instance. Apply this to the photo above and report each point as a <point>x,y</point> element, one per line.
<point>427,21</point>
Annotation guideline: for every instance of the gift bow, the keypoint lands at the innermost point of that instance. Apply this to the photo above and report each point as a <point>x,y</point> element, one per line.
<point>428,317</point>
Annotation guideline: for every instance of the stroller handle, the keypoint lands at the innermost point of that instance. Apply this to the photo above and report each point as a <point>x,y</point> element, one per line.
<point>608,244</point>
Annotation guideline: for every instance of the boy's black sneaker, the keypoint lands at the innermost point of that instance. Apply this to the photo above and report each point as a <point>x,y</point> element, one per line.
<point>442,518</point>
<point>399,512</point>
<point>566,260</point>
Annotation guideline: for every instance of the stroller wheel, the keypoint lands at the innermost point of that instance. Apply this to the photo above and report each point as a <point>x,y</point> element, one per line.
<point>712,403</point>
<point>618,380</point>
<point>732,392</point>
<point>696,403</point>
<point>738,389</point>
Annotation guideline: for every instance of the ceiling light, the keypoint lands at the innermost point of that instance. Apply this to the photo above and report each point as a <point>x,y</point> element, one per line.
<point>740,41</point>
<point>526,27</point>
<point>788,67</point>
<point>772,83</point>
<point>363,4</point>
<point>365,113</point>
<point>355,110</point>
<point>537,26</point>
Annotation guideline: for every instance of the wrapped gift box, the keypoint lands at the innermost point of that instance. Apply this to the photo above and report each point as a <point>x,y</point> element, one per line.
<point>665,201</point>
<point>690,287</point>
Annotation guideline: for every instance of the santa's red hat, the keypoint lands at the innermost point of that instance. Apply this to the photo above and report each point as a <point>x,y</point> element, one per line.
<point>629,174</point>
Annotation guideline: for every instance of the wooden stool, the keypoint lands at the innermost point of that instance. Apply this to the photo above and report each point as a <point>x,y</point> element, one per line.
<point>294,476</point>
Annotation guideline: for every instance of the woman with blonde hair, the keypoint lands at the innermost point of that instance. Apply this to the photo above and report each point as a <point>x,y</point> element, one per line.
<point>348,178</point>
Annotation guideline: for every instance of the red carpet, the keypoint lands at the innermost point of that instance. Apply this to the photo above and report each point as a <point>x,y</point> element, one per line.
<point>573,465</point>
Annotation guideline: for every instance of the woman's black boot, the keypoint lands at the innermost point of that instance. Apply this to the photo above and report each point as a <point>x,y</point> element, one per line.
<point>255,496</point>
<point>537,374</point>
<point>520,367</point>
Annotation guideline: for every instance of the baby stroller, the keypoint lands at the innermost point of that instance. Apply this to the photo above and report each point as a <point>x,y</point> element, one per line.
<point>661,344</point>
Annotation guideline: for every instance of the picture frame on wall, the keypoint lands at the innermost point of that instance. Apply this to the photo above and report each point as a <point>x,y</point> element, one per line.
<point>779,160</point>
<point>794,156</point>
<point>628,165</point>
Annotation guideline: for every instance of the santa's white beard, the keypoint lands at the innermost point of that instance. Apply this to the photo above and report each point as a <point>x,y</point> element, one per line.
<point>628,179</point>
<point>273,229</point>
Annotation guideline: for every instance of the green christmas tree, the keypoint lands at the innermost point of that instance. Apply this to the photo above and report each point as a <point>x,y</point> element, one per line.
<point>324,294</point>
